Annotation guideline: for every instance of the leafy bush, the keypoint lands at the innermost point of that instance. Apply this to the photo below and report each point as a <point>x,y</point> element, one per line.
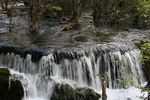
<point>145,51</point>
<point>128,13</point>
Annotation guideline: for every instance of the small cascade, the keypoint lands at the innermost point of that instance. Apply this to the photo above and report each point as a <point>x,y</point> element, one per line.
<point>78,69</point>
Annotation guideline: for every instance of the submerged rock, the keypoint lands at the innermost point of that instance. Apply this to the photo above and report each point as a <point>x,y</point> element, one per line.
<point>81,38</point>
<point>10,90</point>
<point>129,98</point>
<point>66,92</point>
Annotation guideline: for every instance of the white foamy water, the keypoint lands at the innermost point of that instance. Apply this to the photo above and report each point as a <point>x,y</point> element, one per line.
<point>112,94</point>
<point>125,94</point>
<point>82,72</point>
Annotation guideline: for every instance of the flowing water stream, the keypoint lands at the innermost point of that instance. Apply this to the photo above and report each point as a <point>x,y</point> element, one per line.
<point>40,72</point>
<point>78,70</point>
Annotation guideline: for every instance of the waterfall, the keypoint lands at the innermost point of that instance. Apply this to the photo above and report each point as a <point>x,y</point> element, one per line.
<point>75,68</point>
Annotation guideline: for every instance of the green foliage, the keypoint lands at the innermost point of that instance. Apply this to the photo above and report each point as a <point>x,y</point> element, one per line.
<point>48,8</point>
<point>51,4</point>
<point>145,51</point>
<point>117,58</point>
<point>124,82</point>
<point>57,8</point>
<point>127,13</point>
<point>144,89</point>
<point>100,76</point>
<point>127,80</point>
<point>142,15</point>
<point>142,97</point>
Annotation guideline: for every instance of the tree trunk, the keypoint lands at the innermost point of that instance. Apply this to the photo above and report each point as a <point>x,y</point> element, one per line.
<point>10,19</point>
<point>97,12</point>
<point>77,5</point>
<point>31,19</point>
<point>104,96</point>
<point>2,4</point>
<point>6,4</point>
<point>35,11</point>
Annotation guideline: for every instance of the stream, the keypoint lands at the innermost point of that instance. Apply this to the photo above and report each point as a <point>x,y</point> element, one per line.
<point>77,69</point>
<point>43,63</point>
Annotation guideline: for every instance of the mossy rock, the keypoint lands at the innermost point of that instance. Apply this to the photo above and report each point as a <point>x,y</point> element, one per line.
<point>4,78</point>
<point>13,92</point>
<point>4,82</point>
<point>4,71</point>
<point>89,30</point>
<point>81,38</point>
<point>66,92</point>
<point>99,34</point>
<point>1,13</point>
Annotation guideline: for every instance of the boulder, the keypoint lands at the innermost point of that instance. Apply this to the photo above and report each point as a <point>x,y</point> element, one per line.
<point>129,98</point>
<point>10,90</point>
<point>66,92</point>
<point>4,82</point>
<point>81,38</point>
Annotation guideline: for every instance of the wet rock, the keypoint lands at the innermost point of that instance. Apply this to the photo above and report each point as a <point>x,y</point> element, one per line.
<point>129,99</point>
<point>4,82</point>
<point>146,64</point>
<point>13,92</point>
<point>66,92</point>
<point>23,51</point>
<point>81,38</point>
<point>16,91</point>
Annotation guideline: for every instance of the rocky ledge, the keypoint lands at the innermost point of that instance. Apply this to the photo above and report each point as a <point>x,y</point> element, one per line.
<point>10,90</point>
<point>66,92</point>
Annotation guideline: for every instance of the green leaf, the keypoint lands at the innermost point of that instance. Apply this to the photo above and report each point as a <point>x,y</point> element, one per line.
<point>57,8</point>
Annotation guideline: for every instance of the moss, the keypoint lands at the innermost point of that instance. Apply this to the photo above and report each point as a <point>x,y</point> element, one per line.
<point>4,78</point>
<point>4,71</point>
<point>1,12</point>
<point>81,38</point>
<point>4,82</point>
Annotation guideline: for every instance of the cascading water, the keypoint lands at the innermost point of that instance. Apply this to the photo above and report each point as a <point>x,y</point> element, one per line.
<point>77,69</point>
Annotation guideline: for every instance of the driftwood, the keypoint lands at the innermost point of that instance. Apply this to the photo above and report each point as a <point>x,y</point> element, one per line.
<point>104,96</point>
<point>65,28</point>
<point>69,26</point>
